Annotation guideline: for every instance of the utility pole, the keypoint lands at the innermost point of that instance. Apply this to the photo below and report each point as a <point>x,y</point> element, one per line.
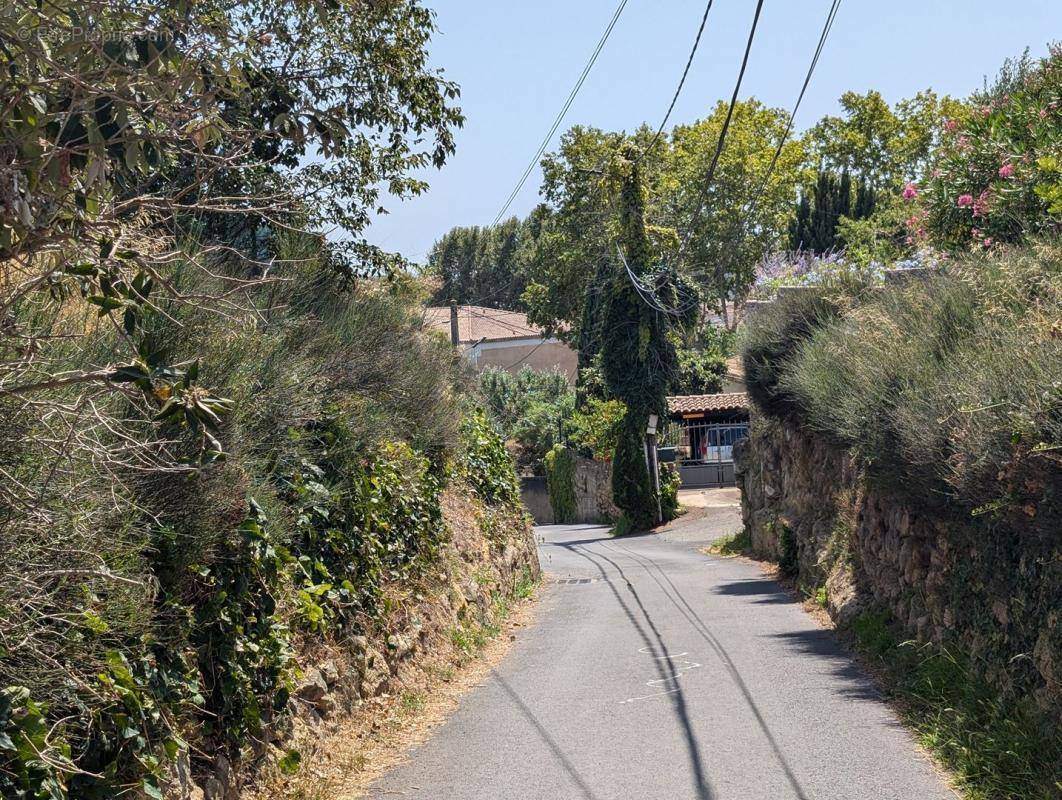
<point>653,464</point>
<point>455,334</point>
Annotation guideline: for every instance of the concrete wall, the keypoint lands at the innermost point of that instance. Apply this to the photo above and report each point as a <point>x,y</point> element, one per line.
<point>593,494</point>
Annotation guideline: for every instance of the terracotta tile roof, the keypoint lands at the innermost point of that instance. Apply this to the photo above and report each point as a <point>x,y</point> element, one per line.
<point>701,403</point>
<point>476,323</point>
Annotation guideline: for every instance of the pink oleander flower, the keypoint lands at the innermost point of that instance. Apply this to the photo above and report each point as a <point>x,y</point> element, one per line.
<point>988,241</point>
<point>965,200</point>
<point>981,204</point>
<point>910,192</point>
<point>950,125</point>
<point>1006,170</point>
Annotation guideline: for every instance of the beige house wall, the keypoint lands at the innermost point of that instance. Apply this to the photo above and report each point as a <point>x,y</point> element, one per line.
<point>536,354</point>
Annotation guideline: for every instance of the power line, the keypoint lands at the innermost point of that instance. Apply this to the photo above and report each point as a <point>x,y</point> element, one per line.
<point>563,111</point>
<point>722,133</point>
<point>682,81</point>
<point>831,15</point>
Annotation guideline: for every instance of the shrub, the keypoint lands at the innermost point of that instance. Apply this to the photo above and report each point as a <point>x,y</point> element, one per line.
<point>699,372</point>
<point>157,606</point>
<point>771,339</point>
<point>997,747</point>
<point>669,487</point>
<point>531,409</point>
<point>560,481</point>
<point>948,386</point>
<point>595,427</point>
<point>997,175</point>
<point>484,461</point>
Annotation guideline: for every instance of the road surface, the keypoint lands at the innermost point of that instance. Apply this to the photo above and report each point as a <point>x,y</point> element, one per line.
<point>654,672</point>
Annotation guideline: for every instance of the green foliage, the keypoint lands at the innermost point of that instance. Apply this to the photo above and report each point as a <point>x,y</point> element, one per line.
<point>637,354</point>
<point>482,266</point>
<point>833,200</point>
<point>772,339</point>
<point>485,463</point>
<point>732,235</point>
<point>32,762</point>
<point>882,238</point>
<point>734,544</point>
<point>882,145</point>
<point>596,427</point>
<point>699,372</point>
<point>532,409</point>
<point>997,176</point>
<point>364,521</point>
<point>632,489</point>
<point>788,556</point>
<point>947,387</point>
<point>171,599</point>
<point>243,645</point>
<point>670,481</point>
<point>998,747</point>
<point>560,481</point>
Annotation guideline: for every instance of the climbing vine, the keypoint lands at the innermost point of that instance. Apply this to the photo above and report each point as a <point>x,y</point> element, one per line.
<point>560,481</point>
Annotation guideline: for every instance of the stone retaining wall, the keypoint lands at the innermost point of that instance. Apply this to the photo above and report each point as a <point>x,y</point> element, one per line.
<point>944,575</point>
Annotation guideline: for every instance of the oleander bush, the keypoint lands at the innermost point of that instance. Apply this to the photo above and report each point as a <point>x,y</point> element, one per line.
<point>997,174</point>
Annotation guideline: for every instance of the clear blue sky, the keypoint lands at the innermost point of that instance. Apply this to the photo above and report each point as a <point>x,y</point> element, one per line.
<point>517,61</point>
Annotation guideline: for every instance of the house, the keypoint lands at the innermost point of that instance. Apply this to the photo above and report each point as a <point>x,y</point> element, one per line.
<point>703,429</point>
<point>492,337</point>
<point>734,379</point>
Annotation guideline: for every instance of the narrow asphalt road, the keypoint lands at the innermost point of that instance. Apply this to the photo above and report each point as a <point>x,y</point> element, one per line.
<point>655,672</point>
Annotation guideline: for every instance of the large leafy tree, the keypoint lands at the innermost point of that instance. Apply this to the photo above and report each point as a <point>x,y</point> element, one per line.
<point>129,129</point>
<point>743,214</point>
<point>575,241</point>
<point>638,356</point>
<point>882,145</point>
<point>482,266</point>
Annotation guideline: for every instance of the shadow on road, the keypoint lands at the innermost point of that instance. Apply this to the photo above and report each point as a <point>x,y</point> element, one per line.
<point>683,606</point>
<point>544,734</point>
<point>662,658</point>
<point>823,644</point>
<point>768,589</point>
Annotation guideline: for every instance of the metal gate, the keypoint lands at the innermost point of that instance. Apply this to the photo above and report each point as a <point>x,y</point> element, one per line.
<point>705,451</point>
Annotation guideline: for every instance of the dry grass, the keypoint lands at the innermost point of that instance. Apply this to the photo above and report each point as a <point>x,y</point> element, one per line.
<point>342,758</point>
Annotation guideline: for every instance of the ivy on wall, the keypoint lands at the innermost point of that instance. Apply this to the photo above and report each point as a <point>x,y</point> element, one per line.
<point>560,481</point>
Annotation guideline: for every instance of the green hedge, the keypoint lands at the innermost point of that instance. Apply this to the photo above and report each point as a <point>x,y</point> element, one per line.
<point>560,482</point>
<point>949,388</point>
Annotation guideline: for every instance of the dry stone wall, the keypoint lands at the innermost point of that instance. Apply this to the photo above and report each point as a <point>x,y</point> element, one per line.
<point>986,586</point>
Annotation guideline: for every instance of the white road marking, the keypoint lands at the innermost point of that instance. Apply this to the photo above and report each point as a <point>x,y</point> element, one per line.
<point>682,667</point>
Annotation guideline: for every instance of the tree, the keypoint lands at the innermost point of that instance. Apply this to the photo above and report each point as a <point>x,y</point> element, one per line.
<point>637,355</point>
<point>130,129</point>
<point>573,247</point>
<point>815,225</point>
<point>482,266</point>
<point>883,146</point>
<point>732,225</point>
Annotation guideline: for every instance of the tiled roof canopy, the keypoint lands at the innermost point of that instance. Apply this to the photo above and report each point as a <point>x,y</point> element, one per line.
<point>476,323</point>
<point>702,403</point>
